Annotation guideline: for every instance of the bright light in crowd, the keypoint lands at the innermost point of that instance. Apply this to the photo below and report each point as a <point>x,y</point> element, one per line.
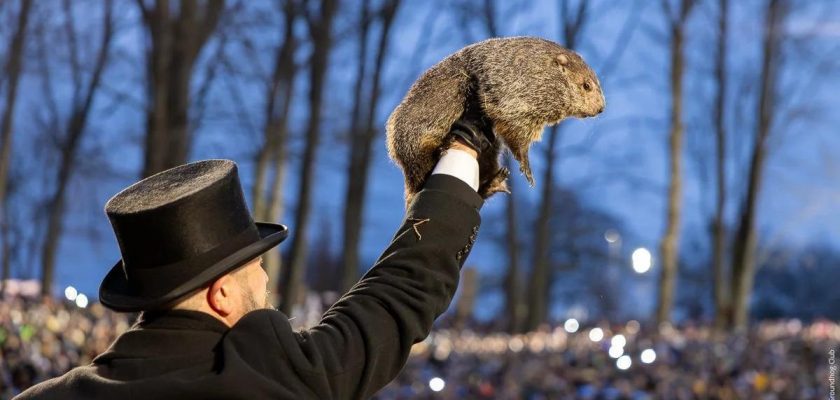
<point>436,384</point>
<point>571,325</point>
<point>616,351</point>
<point>70,293</point>
<point>611,236</point>
<point>596,334</point>
<point>623,362</point>
<point>516,344</point>
<point>81,300</point>
<point>619,341</point>
<point>648,356</point>
<point>641,260</point>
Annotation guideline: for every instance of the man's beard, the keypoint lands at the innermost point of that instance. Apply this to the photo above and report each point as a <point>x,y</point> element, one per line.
<point>252,304</point>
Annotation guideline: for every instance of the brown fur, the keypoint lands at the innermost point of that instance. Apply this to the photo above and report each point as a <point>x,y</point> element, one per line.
<point>521,84</point>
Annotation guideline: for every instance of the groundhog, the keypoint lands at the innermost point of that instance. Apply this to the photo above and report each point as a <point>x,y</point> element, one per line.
<point>519,84</point>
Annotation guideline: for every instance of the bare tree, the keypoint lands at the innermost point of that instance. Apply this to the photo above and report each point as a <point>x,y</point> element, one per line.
<point>573,19</point>
<point>745,240</point>
<point>271,157</point>
<point>720,277</point>
<point>514,306</point>
<point>81,103</point>
<point>320,31</point>
<point>10,242</point>
<point>6,247</point>
<point>175,44</point>
<point>11,72</point>
<point>669,245</point>
<point>362,133</point>
<point>468,289</point>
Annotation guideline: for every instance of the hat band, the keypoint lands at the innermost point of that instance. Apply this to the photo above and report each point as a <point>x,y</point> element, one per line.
<point>159,280</point>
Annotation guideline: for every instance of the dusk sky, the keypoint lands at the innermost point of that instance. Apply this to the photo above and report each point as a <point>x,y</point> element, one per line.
<point>622,169</point>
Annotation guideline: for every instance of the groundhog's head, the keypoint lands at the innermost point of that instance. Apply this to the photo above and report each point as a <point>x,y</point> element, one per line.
<point>581,91</point>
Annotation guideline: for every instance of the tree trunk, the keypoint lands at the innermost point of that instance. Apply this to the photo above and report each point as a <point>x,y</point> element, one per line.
<point>361,147</point>
<point>513,293</point>
<point>466,299</point>
<point>271,159</point>
<point>669,246</point>
<point>176,42</point>
<point>720,276</point>
<point>6,261</point>
<point>69,147</point>
<point>55,220</point>
<point>271,142</point>
<point>744,248</point>
<point>14,64</point>
<point>351,229</point>
<point>320,29</point>
<point>539,296</point>
<point>276,208</point>
<point>515,308</point>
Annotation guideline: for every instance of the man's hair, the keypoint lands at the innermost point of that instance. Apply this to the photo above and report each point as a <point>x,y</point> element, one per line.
<point>195,299</point>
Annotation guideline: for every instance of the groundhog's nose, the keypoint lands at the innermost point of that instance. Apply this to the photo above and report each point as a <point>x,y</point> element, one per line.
<point>600,109</point>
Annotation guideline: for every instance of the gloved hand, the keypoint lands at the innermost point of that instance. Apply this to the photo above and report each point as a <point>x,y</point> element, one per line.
<point>473,129</point>
<point>476,131</point>
<point>470,135</point>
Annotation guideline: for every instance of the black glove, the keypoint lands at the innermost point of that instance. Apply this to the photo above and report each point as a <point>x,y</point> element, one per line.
<point>472,136</point>
<point>473,129</point>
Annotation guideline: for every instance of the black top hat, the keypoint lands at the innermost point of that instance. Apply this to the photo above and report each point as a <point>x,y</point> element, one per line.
<point>178,230</point>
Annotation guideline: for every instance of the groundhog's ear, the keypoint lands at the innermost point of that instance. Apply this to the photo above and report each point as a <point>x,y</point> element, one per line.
<point>561,61</point>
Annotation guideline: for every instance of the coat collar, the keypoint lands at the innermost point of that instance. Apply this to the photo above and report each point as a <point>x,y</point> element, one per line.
<point>181,319</point>
<point>171,333</point>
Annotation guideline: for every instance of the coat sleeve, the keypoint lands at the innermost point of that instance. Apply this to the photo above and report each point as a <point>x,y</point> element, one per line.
<point>363,341</point>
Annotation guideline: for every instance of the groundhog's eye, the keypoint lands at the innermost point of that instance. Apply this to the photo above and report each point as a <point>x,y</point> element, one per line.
<point>587,87</point>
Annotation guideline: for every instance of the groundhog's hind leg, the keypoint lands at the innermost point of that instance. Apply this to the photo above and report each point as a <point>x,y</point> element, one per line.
<point>520,154</point>
<point>496,184</point>
<point>518,140</point>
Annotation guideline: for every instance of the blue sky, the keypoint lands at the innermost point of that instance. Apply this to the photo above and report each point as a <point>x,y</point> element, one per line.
<point>623,170</point>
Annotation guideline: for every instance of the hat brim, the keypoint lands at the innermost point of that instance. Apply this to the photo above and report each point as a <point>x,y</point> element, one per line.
<point>116,293</point>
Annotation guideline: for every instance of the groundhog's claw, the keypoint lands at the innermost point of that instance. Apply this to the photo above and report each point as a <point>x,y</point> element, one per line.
<point>497,183</point>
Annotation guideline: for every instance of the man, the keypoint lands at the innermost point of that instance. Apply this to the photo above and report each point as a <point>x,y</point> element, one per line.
<point>191,263</point>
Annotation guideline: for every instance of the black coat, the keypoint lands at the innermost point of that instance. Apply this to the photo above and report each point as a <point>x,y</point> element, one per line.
<point>359,346</point>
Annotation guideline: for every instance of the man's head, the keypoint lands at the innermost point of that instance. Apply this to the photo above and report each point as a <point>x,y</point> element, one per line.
<point>187,231</point>
<point>232,295</point>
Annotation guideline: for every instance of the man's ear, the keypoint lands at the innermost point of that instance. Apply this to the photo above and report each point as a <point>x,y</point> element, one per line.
<point>220,295</point>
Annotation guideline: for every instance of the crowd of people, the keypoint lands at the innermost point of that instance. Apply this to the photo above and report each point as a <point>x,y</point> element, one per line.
<point>42,338</point>
<point>774,360</point>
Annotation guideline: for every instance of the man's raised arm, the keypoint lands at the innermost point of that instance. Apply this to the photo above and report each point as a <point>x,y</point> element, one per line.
<point>364,339</point>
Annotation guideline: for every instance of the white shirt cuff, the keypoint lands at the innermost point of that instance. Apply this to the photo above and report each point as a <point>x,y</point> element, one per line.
<point>459,164</point>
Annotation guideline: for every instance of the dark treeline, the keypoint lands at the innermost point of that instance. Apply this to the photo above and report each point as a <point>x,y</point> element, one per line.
<point>95,94</point>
